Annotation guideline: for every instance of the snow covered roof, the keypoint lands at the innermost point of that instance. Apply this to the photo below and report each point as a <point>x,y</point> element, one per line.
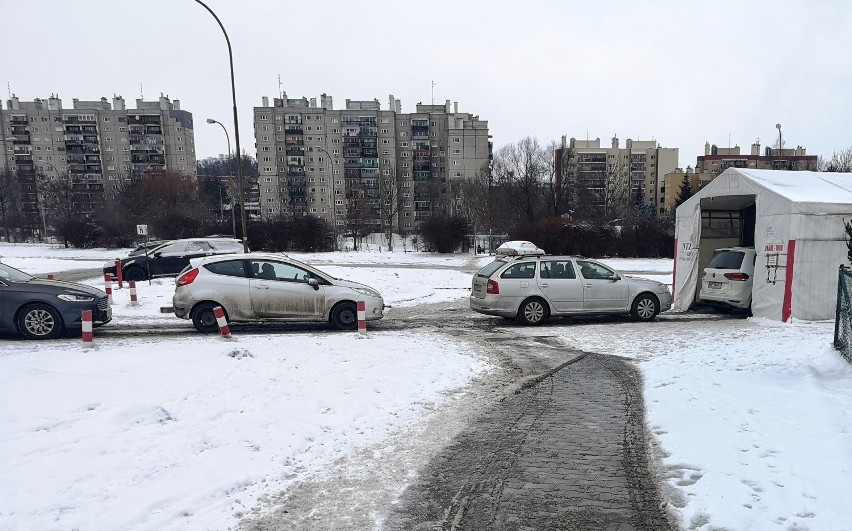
<point>518,248</point>
<point>803,186</point>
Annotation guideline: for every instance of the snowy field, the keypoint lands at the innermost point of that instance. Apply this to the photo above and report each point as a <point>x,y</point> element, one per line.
<point>752,419</point>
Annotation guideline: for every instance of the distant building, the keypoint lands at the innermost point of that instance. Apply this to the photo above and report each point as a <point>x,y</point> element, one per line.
<point>670,190</point>
<point>637,168</point>
<point>314,159</point>
<point>94,144</point>
<point>716,160</point>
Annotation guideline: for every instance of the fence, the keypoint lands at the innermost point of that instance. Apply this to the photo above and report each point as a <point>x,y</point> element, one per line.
<point>843,319</point>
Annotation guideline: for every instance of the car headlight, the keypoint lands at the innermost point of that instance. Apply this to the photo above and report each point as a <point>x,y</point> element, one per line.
<point>367,292</point>
<point>663,288</point>
<point>70,297</point>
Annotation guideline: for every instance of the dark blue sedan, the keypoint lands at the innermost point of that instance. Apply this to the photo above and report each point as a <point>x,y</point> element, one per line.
<point>38,308</point>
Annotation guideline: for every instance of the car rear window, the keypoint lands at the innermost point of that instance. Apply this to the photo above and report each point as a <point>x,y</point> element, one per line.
<point>229,268</point>
<point>489,270</point>
<point>726,260</point>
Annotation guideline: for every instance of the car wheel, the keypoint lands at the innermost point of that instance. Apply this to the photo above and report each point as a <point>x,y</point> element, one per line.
<point>204,318</point>
<point>645,307</point>
<point>533,311</point>
<point>39,321</point>
<point>136,274</point>
<point>344,316</point>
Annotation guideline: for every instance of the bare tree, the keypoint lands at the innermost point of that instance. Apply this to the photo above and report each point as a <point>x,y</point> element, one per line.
<point>389,196</point>
<point>839,162</point>
<point>359,213</point>
<point>9,204</point>
<point>560,180</point>
<point>519,169</point>
<point>616,192</point>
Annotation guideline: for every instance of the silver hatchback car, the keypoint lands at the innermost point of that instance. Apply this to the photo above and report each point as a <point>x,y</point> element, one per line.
<point>533,288</point>
<point>255,287</point>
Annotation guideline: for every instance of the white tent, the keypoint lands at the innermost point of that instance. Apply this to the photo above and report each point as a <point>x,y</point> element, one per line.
<point>794,219</point>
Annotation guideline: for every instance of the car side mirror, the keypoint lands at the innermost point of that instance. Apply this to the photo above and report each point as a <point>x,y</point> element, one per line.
<point>157,254</point>
<point>615,277</point>
<point>314,282</point>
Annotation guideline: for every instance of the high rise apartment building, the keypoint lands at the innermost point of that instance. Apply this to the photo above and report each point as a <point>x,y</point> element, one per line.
<point>393,168</point>
<point>94,143</point>
<point>636,169</point>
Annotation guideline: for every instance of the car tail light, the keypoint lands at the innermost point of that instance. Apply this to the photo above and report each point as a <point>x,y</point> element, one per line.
<point>187,277</point>
<point>736,276</point>
<point>493,288</point>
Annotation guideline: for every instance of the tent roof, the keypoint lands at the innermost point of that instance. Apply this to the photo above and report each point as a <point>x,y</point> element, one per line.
<point>803,186</point>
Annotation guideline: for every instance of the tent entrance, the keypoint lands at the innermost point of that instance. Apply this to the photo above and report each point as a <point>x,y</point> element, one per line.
<point>726,221</point>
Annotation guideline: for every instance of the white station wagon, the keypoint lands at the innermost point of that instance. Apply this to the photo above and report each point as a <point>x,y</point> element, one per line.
<point>533,288</point>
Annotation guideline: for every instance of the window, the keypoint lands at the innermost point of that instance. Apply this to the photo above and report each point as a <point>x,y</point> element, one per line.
<point>456,152</point>
<point>557,269</point>
<point>456,140</point>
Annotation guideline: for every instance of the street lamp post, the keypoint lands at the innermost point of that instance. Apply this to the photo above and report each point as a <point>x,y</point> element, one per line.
<point>233,216</point>
<point>331,203</point>
<point>41,201</point>
<point>236,126</point>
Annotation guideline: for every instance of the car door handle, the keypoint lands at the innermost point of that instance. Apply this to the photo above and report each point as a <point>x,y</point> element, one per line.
<point>261,286</point>
<point>587,285</point>
<point>544,285</point>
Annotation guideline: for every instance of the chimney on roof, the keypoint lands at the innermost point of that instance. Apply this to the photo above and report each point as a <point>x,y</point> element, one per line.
<point>265,100</point>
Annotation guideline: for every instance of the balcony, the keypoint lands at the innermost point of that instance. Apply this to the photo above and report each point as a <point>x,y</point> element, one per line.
<point>293,130</point>
<point>18,120</point>
<point>143,119</point>
<point>295,152</point>
<point>370,152</point>
<point>88,130</point>
<point>153,130</point>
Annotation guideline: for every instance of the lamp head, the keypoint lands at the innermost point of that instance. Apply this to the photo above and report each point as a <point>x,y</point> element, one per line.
<point>778,126</point>
<point>211,121</point>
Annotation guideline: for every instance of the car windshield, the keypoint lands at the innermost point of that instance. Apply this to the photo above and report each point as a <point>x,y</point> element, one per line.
<point>489,270</point>
<point>10,274</point>
<point>726,260</point>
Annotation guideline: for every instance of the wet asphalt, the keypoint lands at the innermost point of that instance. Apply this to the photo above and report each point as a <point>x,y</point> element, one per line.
<point>568,450</point>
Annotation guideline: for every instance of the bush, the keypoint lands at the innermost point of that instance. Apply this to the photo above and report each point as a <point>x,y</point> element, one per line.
<point>443,233</point>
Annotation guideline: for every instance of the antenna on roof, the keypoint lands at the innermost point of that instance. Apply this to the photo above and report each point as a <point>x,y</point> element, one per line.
<point>433,92</point>
<point>9,89</point>
<point>280,92</point>
<point>141,97</point>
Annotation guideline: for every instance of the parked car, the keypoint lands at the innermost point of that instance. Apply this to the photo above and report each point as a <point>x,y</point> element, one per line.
<point>171,258</point>
<point>256,287</point>
<point>728,278</point>
<point>38,308</point>
<point>533,288</point>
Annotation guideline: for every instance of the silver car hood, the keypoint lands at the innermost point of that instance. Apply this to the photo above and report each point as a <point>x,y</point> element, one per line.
<point>349,284</point>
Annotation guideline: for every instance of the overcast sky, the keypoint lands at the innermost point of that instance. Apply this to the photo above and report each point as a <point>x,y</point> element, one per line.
<point>679,72</point>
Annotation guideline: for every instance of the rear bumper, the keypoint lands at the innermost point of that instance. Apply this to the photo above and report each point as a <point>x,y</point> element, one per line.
<point>725,299</point>
<point>488,307</point>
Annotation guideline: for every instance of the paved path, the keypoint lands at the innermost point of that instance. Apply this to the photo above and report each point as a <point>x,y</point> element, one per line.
<point>567,451</point>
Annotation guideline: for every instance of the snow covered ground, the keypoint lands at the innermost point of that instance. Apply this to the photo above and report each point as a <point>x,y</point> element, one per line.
<point>752,418</point>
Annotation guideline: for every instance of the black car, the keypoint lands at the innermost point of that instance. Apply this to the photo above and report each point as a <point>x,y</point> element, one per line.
<point>38,308</point>
<point>170,259</point>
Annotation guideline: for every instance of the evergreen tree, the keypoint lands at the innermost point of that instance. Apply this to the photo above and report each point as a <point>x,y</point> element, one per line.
<point>685,190</point>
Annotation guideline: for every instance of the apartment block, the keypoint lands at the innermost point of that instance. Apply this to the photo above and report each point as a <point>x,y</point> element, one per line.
<point>393,167</point>
<point>638,167</point>
<point>716,160</point>
<point>94,143</point>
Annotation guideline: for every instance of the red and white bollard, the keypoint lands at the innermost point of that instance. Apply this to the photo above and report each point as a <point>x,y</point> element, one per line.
<point>108,286</point>
<point>133,300</point>
<point>88,336</point>
<point>221,321</point>
<point>118,273</point>
<point>362,317</point>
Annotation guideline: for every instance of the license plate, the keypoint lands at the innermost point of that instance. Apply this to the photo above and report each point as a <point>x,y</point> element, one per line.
<point>714,285</point>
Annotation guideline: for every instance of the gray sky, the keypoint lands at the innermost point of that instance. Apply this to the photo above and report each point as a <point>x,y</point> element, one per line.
<point>681,72</point>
